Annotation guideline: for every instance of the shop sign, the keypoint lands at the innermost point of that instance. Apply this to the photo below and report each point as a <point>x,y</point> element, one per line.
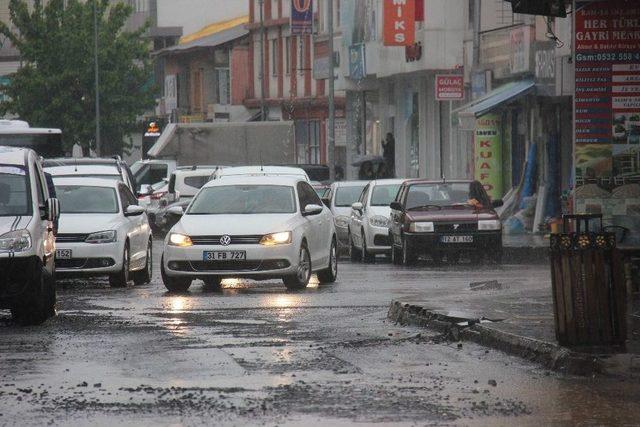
<point>607,100</point>
<point>301,21</point>
<point>340,131</point>
<point>357,62</point>
<point>170,93</point>
<point>449,87</point>
<point>153,130</point>
<point>399,22</point>
<point>488,154</point>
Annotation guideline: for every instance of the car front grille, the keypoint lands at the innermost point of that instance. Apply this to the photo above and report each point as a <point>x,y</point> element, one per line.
<point>456,227</point>
<point>381,240</point>
<point>235,240</point>
<point>71,238</point>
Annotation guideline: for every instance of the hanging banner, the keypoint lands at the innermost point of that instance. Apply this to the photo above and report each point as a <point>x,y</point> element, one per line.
<point>488,154</point>
<point>399,22</point>
<point>301,21</point>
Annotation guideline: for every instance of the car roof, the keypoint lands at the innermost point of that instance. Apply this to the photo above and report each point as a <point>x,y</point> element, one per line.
<point>244,170</point>
<point>359,183</point>
<point>13,155</point>
<point>70,161</point>
<point>84,181</point>
<point>82,169</point>
<point>255,180</point>
<point>376,182</point>
<point>437,181</point>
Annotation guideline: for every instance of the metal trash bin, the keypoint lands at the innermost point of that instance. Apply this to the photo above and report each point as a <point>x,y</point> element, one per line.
<point>589,294</point>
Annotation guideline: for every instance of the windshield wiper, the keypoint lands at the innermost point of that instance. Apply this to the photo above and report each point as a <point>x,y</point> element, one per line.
<point>425,207</point>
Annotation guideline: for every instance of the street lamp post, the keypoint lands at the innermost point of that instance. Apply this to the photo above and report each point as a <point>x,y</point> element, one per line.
<point>97,76</point>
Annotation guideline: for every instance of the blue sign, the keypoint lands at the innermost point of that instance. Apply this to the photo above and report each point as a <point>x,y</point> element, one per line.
<point>357,62</point>
<point>301,17</point>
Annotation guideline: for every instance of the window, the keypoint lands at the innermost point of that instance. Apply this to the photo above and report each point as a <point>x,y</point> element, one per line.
<point>363,195</point>
<point>307,196</point>
<point>308,141</point>
<point>151,173</point>
<point>196,181</point>
<point>287,55</point>
<point>243,200</point>
<point>274,57</point>
<point>80,199</point>
<point>14,195</point>
<point>127,198</point>
<point>384,194</point>
<point>224,89</point>
<point>346,196</point>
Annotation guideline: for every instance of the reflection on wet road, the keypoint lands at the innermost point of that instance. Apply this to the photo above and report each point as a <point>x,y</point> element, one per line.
<point>255,353</point>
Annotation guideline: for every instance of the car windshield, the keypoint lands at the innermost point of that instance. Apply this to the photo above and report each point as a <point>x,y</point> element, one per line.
<point>78,199</point>
<point>383,195</point>
<point>437,195</point>
<point>14,197</point>
<point>346,196</point>
<point>244,199</point>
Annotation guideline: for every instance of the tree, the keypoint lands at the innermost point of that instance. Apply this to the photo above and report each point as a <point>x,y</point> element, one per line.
<point>55,86</point>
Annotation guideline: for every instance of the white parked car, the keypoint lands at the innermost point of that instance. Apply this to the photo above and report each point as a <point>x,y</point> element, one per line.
<point>369,222</point>
<point>255,227</point>
<point>261,171</point>
<point>343,194</point>
<point>90,167</point>
<point>102,231</point>
<point>27,242</point>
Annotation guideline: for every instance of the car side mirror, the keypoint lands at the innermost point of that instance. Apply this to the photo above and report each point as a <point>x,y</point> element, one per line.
<point>175,210</point>
<point>497,203</point>
<point>327,202</point>
<point>357,206</point>
<point>134,210</point>
<point>52,212</point>
<point>312,209</point>
<point>396,206</point>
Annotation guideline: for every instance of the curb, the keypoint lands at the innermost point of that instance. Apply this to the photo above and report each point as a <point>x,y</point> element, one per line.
<point>549,355</point>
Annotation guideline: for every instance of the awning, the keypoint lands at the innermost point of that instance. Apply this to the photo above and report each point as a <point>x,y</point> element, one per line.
<point>163,140</point>
<point>468,114</point>
<point>212,36</point>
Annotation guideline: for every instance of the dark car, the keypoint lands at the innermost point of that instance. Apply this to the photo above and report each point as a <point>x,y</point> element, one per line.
<point>441,219</point>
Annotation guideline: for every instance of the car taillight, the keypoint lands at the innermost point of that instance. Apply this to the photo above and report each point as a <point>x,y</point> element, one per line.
<point>158,196</point>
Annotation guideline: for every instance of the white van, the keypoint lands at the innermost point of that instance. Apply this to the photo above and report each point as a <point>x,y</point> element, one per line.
<point>27,241</point>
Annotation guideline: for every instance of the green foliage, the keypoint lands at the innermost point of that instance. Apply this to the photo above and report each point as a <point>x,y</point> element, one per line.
<point>55,86</point>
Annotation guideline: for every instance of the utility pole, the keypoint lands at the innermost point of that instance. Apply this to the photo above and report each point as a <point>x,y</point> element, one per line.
<point>262,95</point>
<point>477,5</point>
<point>331,134</point>
<point>97,76</point>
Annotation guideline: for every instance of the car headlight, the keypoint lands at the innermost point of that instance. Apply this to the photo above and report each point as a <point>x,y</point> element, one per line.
<point>108,236</point>
<point>421,227</point>
<point>177,239</point>
<point>379,221</point>
<point>276,239</point>
<point>15,241</point>
<point>489,224</point>
<point>342,221</point>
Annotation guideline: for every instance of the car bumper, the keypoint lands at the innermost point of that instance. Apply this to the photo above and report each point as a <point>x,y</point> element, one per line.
<point>261,261</point>
<point>86,258</point>
<point>488,241</point>
<point>378,240</point>
<point>16,273</point>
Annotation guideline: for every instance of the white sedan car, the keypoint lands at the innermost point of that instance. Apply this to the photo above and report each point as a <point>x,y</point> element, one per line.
<point>344,194</point>
<point>369,221</point>
<point>102,231</point>
<point>251,227</point>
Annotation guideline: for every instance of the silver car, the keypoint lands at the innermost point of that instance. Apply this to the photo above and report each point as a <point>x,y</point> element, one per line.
<point>369,221</point>
<point>343,194</point>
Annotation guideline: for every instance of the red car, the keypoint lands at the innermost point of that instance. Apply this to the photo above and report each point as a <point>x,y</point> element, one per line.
<point>442,218</point>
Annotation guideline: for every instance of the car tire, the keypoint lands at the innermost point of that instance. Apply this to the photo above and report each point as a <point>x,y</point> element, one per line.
<point>143,276</point>
<point>367,257</point>
<point>174,284</point>
<point>121,278</point>
<point>38,302</point>
<point>354,253</point>
<point>408,258</point>
<point>330,274</point>
<point>212,283</point>
<point>301,278</point>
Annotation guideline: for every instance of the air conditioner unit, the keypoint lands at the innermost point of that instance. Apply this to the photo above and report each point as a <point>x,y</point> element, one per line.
<point>555,8</point>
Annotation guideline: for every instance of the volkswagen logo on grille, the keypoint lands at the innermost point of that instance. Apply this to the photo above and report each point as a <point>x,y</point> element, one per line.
<point>225,240</point>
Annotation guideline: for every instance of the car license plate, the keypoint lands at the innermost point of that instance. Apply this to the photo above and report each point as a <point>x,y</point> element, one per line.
<point>63,253</point>
<point>456,239</point>
<point>224,255</point>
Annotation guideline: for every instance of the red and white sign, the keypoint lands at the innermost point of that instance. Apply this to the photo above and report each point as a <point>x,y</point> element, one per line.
<point>449,87</point>
<point>399,22</point>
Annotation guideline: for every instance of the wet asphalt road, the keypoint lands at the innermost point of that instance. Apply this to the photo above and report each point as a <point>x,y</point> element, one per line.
<point>256,354</point>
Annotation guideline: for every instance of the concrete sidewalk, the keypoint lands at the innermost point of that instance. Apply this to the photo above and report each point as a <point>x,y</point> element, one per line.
<point>518,319</point>
<point>519,248</point>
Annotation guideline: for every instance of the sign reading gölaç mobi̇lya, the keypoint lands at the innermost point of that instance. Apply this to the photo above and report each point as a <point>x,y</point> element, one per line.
<point>488,154</point>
